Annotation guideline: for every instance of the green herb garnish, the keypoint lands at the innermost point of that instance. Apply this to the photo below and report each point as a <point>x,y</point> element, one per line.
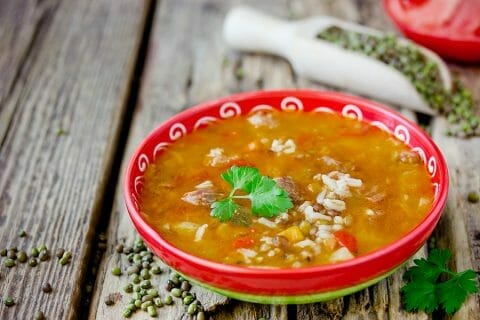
<point>433,286</point>
<point>267,198</point>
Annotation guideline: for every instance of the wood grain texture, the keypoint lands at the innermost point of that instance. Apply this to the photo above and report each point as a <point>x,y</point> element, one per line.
<point>64,66</point>
<point>196,66</point>
<point>459,228</point>
<point>22,26</point>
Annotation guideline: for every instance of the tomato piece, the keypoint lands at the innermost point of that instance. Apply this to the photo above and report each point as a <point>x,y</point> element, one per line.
<point>347,240</point>
<point>238,163</point>
<point>243,242</point>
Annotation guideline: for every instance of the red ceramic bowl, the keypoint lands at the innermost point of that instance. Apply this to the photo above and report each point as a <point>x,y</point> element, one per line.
<point>302,285</point>
<point>452,44</point>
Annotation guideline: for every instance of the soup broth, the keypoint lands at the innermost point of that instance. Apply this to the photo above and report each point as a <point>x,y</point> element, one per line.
<point>354,189</point>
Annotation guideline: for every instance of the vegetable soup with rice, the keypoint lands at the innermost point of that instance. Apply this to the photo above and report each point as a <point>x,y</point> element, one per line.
<point>284,190</point>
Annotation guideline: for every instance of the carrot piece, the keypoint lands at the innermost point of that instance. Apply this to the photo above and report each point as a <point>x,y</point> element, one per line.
<point>243,242</point>
<point>347,240</point>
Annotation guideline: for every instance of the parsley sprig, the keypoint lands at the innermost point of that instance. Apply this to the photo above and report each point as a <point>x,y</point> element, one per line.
<point>267,198</point>
<point>433,286</point>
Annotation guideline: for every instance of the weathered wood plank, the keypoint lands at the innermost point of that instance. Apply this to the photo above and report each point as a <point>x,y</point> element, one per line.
<point>68,67</point>
<point>459,228</point>
<point>22,25</point>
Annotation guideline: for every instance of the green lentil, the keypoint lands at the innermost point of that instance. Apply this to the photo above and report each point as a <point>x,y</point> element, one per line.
<point>152,292</point>
<point>34,252</point>
<point>8,301</point>
<point>3,252</point>
<point>473,197</point>
<point>176,292</point>
<point>188,299</point>
<point>137,296</point>
<point>116,271</point>
<point>42,248</point>
<point>152,312</point>
<point>145,265</point>
<point>200,315</point>
<point>67,255</point>
<point>146,284</point>
<point>127,313</point>
<point>192,309</point>
<point>168,300</point>
<point>145,274</point>
<point>156,270</point>
<point>128,288</point>
<point>44,255</point>
<point>22,234</point>
<point>9,263</point>
<point>147,297</point>
<point>39,315</point>
<point>135,278</point>
<point>174,278</point>
<point>158,302</point>
<point>143,292</point>
<point>32,262</point>
<point>146,304</point>
<point>138,303</point>
<point>22,257</point>
<point>131,306</point>
<point>457,105</point>
<point>64,261</point>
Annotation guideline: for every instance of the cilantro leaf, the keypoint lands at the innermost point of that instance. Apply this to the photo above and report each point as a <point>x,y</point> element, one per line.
<point>452,293</point>
<point>439,257</point>
<point>223,209</point>
<point>239,177</point>
<point>429,269</point>
<point>420,295</point>
<point>433,286</point>
<point>268,200</point>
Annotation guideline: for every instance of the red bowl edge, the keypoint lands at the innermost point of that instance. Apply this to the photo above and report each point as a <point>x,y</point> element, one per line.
<point>291,281</point>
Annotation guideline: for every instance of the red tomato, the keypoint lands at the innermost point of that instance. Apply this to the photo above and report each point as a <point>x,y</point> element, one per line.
<point>449,27</point>
<point>347,240</point>
<point>243,242</point>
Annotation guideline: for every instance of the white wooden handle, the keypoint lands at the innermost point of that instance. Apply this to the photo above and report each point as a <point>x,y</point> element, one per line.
<point>250,30</point>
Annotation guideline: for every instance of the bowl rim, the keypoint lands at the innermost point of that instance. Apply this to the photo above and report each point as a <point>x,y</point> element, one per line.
<point>432,217</point>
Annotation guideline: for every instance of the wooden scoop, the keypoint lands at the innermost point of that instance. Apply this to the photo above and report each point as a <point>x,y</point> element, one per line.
<point>250,30</point>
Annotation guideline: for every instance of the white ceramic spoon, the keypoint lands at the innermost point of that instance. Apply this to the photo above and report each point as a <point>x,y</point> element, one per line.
<point>250,30</point>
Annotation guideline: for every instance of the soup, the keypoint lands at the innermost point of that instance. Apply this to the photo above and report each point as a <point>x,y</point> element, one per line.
<point>323,189</point>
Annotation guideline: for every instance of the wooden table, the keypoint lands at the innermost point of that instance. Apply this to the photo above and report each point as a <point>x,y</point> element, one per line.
<point>82,82</point>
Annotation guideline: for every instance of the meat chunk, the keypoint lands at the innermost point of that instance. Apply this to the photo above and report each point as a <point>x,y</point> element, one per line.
<point>290,187</point>
<point>204,194</point>
<point>200,197</point>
